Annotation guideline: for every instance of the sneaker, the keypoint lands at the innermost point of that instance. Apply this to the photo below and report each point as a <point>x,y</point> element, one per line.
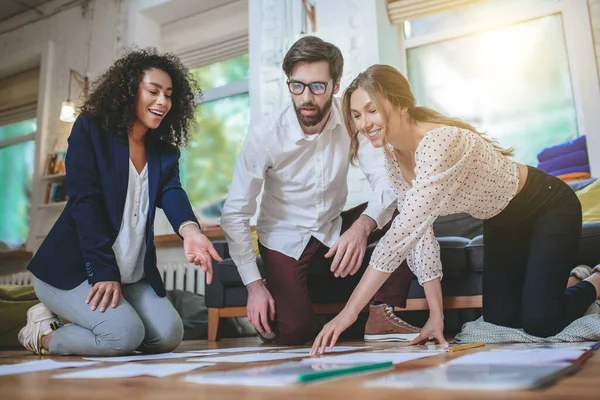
<point>384,326</point>
<point>582,272</point>
<point>40,322</point>
<point>268,337</point>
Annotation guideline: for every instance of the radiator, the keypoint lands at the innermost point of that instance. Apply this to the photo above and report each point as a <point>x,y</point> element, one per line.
<point>182,276</point>
<point>21,278</point>
<point>179,275</point>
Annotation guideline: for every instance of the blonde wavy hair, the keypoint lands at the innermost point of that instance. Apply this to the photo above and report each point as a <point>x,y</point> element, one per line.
<point>386,82</point>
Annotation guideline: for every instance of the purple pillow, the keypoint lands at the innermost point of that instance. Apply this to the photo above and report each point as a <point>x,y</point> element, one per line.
<point>562,148</point>
<point>565,161</point>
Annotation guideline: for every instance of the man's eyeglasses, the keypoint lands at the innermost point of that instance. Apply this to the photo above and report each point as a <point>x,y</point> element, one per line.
<point>316,88</point>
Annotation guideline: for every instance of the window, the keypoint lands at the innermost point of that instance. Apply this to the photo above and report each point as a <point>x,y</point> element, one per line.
<point>222,122</point>
<point>17,151</point>
<point>509,74</point>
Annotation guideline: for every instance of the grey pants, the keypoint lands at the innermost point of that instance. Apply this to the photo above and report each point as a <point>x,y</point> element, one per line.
<point>141,321</point>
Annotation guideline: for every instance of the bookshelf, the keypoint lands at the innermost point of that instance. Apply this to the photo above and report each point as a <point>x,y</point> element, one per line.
<point>56,205</point>
<point>53,178</point>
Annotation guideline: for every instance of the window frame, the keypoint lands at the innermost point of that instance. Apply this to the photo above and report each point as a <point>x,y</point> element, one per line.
<point>580,55</point>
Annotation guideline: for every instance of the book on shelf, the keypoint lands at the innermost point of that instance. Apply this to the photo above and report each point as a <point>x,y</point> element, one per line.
<point>56,192</point>
<point>55,163</point>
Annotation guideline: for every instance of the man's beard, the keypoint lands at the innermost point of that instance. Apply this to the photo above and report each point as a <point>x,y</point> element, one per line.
<point>312,120</point>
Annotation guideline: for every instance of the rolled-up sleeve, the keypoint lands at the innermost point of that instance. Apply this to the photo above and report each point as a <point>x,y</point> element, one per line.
<point>240,205</point>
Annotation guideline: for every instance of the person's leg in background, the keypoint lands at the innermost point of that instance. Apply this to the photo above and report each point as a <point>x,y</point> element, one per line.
<point>114,332</point>
<point>162,324</point>
<point>287,280</point>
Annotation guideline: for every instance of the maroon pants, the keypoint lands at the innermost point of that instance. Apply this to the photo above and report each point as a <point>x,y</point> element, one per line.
<point>288,282</point>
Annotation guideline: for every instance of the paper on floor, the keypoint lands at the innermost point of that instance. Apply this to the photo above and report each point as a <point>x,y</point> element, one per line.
<point>354,358</point>
<point>134,369</point>
<point>255,349</point>
<point>518,357</point>
<point>540,346</point>
<point>422,348</point>
<point>248,358</point>
<point>336,349</point>
<point>286,373</point>
<point>144,357</point>
<point>41,365</point>
<point>474,377</point>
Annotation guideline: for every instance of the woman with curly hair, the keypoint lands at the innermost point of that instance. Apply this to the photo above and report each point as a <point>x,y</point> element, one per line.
<point>97,265</point>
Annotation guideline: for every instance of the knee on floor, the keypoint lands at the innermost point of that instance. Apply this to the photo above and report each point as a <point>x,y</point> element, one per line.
<point>540,326</point>
<point>166,339</point>
<point>120,339</point>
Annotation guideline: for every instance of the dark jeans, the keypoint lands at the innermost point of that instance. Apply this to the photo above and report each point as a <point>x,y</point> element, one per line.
<point>288,282</point>
<point>529,251</point>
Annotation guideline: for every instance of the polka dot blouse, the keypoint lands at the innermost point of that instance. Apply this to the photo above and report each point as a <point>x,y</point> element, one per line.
<point>456,171</point>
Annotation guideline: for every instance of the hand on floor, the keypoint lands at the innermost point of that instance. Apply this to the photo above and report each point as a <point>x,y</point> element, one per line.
<point>332,331</point>
<point>434,328</point>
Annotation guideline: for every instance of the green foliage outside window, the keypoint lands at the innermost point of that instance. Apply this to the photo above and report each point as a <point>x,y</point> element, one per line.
<point>16,173</point>
<point>208,162</point>
<point>221,73</point>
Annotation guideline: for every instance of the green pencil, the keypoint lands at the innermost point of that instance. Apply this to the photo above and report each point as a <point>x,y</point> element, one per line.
<point>312,376</point>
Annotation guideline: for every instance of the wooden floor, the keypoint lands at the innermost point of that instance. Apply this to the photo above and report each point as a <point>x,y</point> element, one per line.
<point>584,385</point>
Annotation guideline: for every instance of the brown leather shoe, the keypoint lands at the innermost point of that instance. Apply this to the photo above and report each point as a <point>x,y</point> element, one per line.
<point>384,326</point>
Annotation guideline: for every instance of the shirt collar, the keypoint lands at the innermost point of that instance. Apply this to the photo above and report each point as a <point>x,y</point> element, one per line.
<point>335,119</point>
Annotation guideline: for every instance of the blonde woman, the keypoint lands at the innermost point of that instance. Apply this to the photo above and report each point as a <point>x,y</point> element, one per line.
<point>439,166</point>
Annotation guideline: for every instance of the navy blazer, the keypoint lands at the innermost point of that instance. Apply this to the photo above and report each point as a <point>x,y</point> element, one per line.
<point>79,245</point>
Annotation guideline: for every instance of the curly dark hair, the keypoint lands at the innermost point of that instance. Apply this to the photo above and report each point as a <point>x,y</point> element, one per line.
<point>113,96</point>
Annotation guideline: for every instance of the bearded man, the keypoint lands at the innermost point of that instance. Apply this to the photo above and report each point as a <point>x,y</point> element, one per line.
<point>301,155</point>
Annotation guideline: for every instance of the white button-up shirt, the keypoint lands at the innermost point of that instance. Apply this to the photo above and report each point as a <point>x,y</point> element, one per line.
<point>130,244</point>
<point>305,187</point>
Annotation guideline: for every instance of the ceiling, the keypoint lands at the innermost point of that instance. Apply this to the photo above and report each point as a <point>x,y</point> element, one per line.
<point>10,8</point>
<point>169,11</point>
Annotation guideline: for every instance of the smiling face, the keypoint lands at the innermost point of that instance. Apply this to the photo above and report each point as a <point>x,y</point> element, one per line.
<point>154,98</point>
<point>312,108</point>
<point>369,120</point>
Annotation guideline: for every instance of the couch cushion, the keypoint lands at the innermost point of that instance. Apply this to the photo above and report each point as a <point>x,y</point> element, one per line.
<point>475,254</point>
<point>229,275</point>
<point>589,244</point>
<point>468,284</point>
<point>462,225</point>
<point>453,255</point>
